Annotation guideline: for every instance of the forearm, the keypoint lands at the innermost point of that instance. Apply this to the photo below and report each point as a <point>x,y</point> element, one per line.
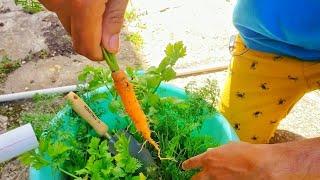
<point>299,160</point>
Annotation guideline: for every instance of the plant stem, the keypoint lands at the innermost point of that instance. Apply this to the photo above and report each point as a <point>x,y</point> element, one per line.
<point>154,91</point>
<point>66,172</point>
<point>59,168</point>
<point>111,60</point>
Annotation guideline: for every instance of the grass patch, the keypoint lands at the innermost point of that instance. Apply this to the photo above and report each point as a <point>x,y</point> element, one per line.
<point>141,25</point>
<point>131,15</point>
<point>44,110</point>
<point>7,66</point>
<point>30,6</point>
<point>135,38</point>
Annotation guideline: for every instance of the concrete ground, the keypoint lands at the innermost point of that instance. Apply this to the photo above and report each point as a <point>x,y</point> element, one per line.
<point>204,26</point>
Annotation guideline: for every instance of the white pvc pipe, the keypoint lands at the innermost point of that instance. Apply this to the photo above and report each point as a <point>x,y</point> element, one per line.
<point>30,94</point>
<point>17,142</point>
<point>66,89</point>
<point>199,71</point>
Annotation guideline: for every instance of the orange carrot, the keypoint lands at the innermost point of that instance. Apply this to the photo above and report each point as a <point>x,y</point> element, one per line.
<point>132,106</point>
<point>128,97</point>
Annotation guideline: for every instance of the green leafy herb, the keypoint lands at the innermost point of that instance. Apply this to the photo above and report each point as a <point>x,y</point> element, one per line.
<point>102,165</point>
<point>149,82</point>
<point>57,154</point>
<point>95,77</point>
<point>70,145</point>
<point>209,91</point>
<point>176,125</point>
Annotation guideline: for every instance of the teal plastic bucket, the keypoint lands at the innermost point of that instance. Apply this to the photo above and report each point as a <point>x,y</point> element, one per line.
<point>216,126</point>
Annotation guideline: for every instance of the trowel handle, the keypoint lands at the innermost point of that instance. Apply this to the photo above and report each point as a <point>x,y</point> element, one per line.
<point>83,110</point>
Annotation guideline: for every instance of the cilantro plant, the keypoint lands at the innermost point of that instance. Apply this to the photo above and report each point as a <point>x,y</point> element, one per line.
<point>83,156</point>
<point>102,165</point>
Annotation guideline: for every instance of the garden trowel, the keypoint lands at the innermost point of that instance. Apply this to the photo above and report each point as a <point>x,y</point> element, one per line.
<point>135,148</point>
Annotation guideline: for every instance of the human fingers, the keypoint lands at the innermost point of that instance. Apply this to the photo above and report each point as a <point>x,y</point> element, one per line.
<point>194,162</point>
<point>86,27</point>
<point>112,24</point>
<point>52,5</point>
<point>203,175</point>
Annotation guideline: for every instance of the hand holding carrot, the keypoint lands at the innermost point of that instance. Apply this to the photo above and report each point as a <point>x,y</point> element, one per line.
<point>90,23</point>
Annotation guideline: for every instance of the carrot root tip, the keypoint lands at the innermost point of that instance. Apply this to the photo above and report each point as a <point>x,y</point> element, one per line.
<point>144,143</point>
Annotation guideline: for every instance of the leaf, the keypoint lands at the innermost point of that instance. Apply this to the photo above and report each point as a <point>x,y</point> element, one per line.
<point>39,163</point>
<point>26,158</point>
<point>84,74</point>
<point>82,171</point>
<point>118,172</point>
<point>43,145</point>
<point>153,99</point>
<point>163,64</point>
<point>100,96</point>
<point>94,143</point>
<point>152,111</point>
<point>33,159</point>
<point>97,176</point>
<point>97,166</point>
<point>152,70</point>
<point>95,77</point>
<point>132,165</point>
<point>93,84</point>
<point>93,146</point>
<point>130,71</point>
<point>122,144</point>
<point>57,149</point>
<point>168,74</point>
<point>140,177</point>
<point>79,178</point>
<point>123,158</point>
<point>115,106</point>
<point>175,51</point>
<point>104,150</point>
<point>90,162</point>
<point>107,172</point>
<point>153,81</point>
<point>174,143</point>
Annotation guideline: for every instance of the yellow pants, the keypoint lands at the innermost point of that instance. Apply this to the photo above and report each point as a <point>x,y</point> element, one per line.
<point>261,89</point>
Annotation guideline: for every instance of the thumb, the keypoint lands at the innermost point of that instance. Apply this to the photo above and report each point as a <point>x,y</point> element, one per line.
<point>112,24</point>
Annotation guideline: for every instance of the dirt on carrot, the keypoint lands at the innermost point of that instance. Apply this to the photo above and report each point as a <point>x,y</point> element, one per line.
<point>131,104</point>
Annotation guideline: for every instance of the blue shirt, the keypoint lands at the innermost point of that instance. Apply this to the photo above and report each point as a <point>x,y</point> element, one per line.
<point>284,27</point>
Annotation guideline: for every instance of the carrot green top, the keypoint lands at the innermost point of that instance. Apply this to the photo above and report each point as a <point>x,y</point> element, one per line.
<point>111,60</point>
